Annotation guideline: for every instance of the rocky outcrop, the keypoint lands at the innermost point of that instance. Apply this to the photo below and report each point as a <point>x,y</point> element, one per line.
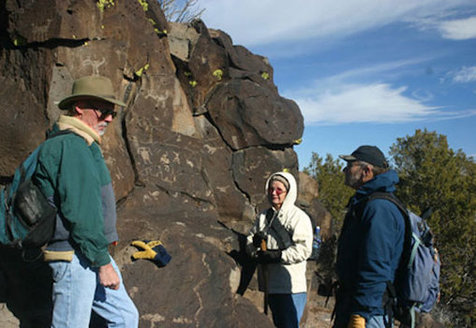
<point>309,202</point>
<point>203,129</point>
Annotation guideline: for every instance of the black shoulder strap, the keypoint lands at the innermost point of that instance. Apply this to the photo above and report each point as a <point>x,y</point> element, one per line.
<point>269,215</point>
<point>59,133</point>
<point>359,206</point>
<point>390,197</point>
<point>283,236</point>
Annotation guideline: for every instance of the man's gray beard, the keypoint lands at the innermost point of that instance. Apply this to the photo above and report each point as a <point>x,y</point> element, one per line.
<point>354,181</point>
<point>101,132</point>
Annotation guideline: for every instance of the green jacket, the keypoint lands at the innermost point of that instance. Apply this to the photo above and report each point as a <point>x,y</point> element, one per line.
<point>72,173</point>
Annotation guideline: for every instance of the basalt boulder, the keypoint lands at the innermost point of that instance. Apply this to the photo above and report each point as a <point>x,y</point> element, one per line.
<point>203,128</point>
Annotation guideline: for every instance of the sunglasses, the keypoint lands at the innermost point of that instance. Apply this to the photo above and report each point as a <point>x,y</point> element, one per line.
<point>278,191</point>
<point>104,112</point>
<point>353,163</point>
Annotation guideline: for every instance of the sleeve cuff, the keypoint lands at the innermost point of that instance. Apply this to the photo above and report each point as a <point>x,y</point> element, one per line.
<point>101,259</point>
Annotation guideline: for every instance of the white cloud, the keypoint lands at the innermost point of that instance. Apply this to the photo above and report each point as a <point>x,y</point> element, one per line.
<point>357,103</point>
<point>390,68</point>
<point>460,29</point>
<point>466,74</point>
<point>251,22</point>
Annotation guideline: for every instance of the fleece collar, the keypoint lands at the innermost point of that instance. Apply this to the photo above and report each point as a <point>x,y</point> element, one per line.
<point>79,127</point>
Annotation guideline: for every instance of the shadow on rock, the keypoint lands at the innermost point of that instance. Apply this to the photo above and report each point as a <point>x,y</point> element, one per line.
<point>26,286</point>
<point>246,262</point>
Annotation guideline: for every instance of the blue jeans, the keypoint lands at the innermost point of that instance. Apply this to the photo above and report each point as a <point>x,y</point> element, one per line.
<point>76,291</point>
<point>287,309</point>
<point>375,322</point>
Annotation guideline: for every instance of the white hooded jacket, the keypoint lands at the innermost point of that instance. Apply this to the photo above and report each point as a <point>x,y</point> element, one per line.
<point>288,276</point>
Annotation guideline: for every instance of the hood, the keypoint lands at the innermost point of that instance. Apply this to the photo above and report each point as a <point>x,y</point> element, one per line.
<point>383,182</point>
<point>291,196</point>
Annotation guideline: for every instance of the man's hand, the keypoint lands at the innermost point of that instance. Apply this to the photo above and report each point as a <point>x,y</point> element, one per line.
<point>108,277</point>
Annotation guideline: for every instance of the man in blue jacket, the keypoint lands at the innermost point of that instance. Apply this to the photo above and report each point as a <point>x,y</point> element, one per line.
<point>371,241</point>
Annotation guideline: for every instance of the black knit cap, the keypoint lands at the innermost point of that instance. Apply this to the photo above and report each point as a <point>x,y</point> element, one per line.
<point>369,154</point>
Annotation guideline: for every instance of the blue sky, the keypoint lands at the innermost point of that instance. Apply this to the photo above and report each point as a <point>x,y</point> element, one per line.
<point>364,71</point>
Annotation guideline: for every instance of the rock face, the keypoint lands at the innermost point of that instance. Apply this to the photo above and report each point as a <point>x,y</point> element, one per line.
<point>203,129</point>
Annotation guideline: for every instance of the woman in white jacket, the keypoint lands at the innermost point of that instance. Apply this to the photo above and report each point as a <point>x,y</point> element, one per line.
<point>281,241</point>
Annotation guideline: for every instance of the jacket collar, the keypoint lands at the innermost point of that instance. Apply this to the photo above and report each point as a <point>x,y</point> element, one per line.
<point>79,127</point>
<point>383,182</point>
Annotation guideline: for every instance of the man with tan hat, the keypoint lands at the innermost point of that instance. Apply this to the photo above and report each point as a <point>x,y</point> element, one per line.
<point>72,173</point>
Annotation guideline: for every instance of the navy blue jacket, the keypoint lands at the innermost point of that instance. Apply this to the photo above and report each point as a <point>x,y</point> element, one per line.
<point>369,250</point>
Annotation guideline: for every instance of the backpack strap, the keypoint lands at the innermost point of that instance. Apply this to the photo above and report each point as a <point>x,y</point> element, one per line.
<point>283,236</point>
<point>406,256</point>
<point>59,133</point>
<point>389,303</point>
<point>8,219</point>
<point>269,215</point>
<point>390,197</point>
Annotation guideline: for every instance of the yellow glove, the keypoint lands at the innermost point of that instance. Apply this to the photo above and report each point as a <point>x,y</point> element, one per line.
<point>147,253</point>
<point>152,250</point>
<point>356,321</point>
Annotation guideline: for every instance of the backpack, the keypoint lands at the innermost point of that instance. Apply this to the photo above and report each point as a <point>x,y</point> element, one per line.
<point>416,285</point>
<point>27,219</point>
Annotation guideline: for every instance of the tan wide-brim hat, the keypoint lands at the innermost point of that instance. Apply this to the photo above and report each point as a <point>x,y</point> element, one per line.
<point>91,87</point>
